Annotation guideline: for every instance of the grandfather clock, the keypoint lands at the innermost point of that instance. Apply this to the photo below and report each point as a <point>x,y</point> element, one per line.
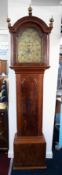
<point>29,59</point>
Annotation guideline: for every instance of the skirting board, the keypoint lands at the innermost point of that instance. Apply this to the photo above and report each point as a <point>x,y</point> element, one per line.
<point>10,167</point>
<point>10,154</point>
<point>49,155</point>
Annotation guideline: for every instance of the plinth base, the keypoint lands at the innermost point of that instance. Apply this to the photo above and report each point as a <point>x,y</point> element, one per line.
<point>29,152</point>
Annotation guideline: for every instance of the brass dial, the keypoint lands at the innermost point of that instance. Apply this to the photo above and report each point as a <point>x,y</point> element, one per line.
<point>29,48</point>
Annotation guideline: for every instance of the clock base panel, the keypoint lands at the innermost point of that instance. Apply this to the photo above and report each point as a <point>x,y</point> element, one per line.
<point>29,152</point>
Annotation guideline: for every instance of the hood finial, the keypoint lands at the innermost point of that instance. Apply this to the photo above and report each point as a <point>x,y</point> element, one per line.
<point>8,21</point>
<point>30,10</point>
<point>51,22</point>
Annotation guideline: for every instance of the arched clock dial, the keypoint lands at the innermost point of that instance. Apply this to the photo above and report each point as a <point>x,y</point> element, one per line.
<point>29,46</point>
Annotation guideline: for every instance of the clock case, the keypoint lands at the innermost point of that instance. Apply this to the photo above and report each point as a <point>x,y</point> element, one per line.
<point>29,141</point>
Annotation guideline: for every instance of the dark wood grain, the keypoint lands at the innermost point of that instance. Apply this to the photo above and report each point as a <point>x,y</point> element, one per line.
<point>30,152</point>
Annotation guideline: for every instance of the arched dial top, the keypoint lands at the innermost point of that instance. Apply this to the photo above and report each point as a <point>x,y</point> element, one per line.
<point>28,20</point>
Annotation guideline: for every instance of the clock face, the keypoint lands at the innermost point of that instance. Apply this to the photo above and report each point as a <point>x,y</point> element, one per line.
<point>29,46</point>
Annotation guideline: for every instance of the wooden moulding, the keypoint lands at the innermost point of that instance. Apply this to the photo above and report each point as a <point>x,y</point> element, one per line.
<point>29,68</point>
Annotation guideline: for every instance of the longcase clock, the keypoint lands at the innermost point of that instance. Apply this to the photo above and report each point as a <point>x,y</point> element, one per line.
<point>29,59</point>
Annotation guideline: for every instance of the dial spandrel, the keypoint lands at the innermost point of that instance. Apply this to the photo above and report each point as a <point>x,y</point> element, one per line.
<point>29,46</point>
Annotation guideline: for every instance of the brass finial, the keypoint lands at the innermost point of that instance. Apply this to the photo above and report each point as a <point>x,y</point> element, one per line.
<point>51,22</point>
<point>30,10</point>
<point>8,21</point>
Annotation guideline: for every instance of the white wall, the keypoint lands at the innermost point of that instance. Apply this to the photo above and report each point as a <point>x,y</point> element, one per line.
<point>17,9</point>
<point>4,44</point>
<point>3,13</point>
